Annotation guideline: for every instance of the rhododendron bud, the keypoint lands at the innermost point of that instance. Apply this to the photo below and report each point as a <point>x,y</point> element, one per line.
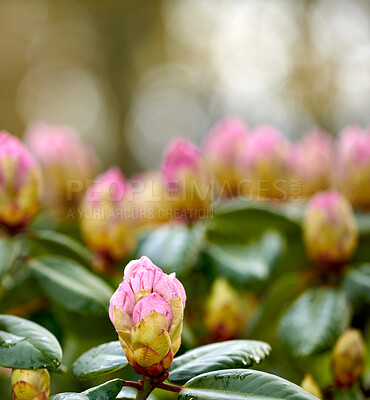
<point>68,165</point>
<point>188,179</point>
<point>330,229</point>
<point>226,312</point>
<point>266,161</point>
<point>313,158</point>
<point>106,217</point>
<point>147,311</point>
<point>150,199</point>
<point>310,385</point>
<point>353,165</point>
<point>20,183</point>
<point>222,148</point>
<point>348,358</point>
<point>30,384</point>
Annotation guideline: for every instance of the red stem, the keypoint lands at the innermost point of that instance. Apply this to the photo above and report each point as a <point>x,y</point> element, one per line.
<point>166,386</point>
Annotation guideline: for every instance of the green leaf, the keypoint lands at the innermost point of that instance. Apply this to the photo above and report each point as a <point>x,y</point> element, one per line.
<point>9,251</point>
<point>173,247</point>
<point>314,321</point>
<point>235,219</point>
<point>217,356</point>
<point>363,222</point>
<point>24,344</point>
<point>356,283</point>
<point>106,391</point>
<point>354,393</point>
<point>100,360</point>
<point>249,264</point>
<point>239,384</point>
<point>128,393</point>
<point>63,241</point>
<point>71,285</point>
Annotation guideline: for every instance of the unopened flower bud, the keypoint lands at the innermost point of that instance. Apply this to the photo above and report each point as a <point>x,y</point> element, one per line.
<point>226,312</point>
<point>266,161</point>
<point>222,148</point>
<point>20,183</point>
<point>147,311</point>
<point>188,179</point>
<point>330,229</point>
<point>313,158</point>
<point>150,199</point>
<point>353,165</point>
<point>30,384</point>
<point>106,217</point>
<point>310,385</point>
<point>348,358</point>
<point>68,165</point>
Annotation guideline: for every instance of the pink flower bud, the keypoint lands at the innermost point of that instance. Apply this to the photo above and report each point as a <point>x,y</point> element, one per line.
<point>313,158</point>
<point>147,311</point>
<point>106,217</point>
<point>353,165</point>
<point>68,164</point>
<point>30,384</point>
<point>20,183</point>
<point>188,179</point>
<point>222,148</point>
<point>330,229</point>
<point>266,161</point>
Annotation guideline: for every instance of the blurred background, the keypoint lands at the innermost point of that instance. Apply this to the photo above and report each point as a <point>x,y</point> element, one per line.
<point>129,77</point>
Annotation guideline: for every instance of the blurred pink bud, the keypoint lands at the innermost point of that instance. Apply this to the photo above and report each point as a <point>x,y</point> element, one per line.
<point>67,161</point>
<point>222,148</point>
<point>313,158</point>
<point>330,228</point>
<point>266,161</point>
<point>353,165</point>
<point>188,179</point>
<point>147,311</point>
<point>106,217</point>
<point>20,183</point>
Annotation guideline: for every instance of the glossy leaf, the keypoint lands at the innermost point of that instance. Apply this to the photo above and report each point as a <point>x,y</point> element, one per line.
<point>100,360</point>
<point>64,241</point>
<point>314,321</point>
<point>24,344</point>
<point>249,264</point>
<point>237,218</point>
<point>240,384</point>
<point>173,247</point>
<point>106,391</point>
<point>217,356</point>
<point>9,251</point>
<point>71,285</point>
<point>356,283</point>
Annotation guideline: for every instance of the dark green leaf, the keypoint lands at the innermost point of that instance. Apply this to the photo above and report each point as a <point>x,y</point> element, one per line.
<point>71,285</point>
<point>249,264</point>
<point>24,344</point>
<point>173,247</point>
<point>239,384</point>
<point>356,283</point>
<point>100,360</point>
<point>236,219</point>
<point>354,393</point>
<point>217,356</point>
<point>9,251</point>
<point>49,236</point>
<point>314,321</point>
<point>106,391</point>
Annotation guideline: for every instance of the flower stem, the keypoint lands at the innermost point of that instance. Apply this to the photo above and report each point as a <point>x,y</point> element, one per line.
<point>146,389</point>
<point>166,386</point>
